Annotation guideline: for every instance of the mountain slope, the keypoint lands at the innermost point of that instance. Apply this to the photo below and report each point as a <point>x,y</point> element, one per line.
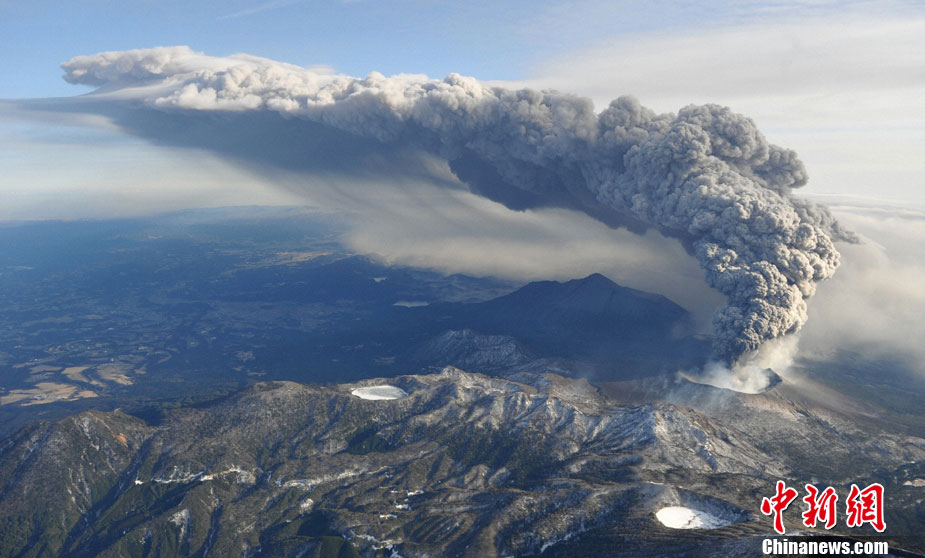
<point>614,332</point>
<point>465,465</point>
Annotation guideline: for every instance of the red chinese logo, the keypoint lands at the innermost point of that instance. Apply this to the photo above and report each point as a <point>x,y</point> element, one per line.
<point>821,506</point>
<point>776,505</point>
<point>863,506</point>
<point>866,506</point>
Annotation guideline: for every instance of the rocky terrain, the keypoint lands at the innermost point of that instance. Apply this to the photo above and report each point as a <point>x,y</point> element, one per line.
<point>464,465</point>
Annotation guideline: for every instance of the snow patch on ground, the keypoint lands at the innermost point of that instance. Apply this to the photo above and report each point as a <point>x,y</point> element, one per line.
<point>678,517</point>
<point>411,303</point>
<point>379,392</point>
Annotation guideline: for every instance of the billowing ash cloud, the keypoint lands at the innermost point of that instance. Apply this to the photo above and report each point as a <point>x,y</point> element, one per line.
<point>705,175</point>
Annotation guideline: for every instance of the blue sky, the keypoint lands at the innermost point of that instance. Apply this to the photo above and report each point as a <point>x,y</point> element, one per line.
<point>488,39</point>
<point>839,81</point>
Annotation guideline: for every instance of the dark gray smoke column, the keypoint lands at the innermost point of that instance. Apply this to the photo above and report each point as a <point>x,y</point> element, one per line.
<point>705,175</point>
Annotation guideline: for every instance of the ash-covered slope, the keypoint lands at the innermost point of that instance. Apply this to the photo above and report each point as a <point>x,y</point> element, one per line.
<point>465,465</point>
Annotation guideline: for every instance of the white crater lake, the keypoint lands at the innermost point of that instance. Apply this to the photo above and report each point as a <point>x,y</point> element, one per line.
<point>379,392</point>
<point>678,517</point>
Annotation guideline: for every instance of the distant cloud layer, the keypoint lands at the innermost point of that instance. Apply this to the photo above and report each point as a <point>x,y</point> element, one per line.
<point>875,305</point>
<point>705,175</point>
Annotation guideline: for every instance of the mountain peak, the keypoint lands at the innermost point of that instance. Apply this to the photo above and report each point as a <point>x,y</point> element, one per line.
<point>595,294</point>
<point>594,278</point>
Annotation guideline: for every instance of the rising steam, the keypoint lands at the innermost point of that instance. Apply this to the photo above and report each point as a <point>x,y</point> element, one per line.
<point>754,372</point>
<point>705,175</point>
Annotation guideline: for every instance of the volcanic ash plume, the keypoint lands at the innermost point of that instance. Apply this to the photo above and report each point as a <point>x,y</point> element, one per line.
<point>705,175</point>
